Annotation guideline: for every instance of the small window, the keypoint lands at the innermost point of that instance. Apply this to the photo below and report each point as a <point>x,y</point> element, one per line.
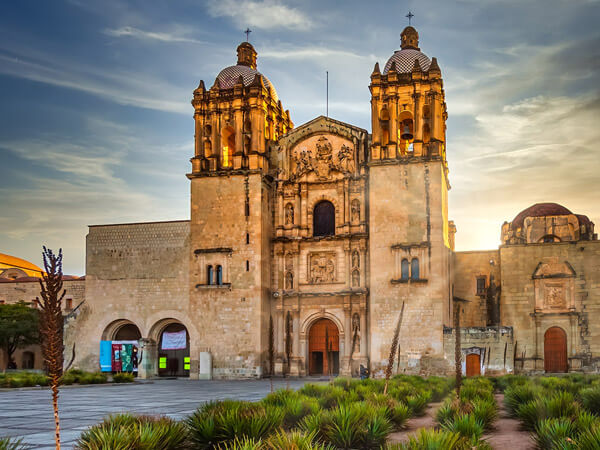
<point>414,269</point>
<point>69,303</point>
<point>404,266</point>
<point>219,275</point>
<point>247,266</point>
<point>247,210</point>
<point>324,219</point>
<point>247,238</point>
<point>209,275</point>
<point>481,282</point>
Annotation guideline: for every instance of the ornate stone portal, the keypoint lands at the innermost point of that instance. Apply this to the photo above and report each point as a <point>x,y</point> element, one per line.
<point>322,160</point>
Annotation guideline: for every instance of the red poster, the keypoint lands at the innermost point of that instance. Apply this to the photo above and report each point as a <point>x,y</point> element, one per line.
<point>116,357</point>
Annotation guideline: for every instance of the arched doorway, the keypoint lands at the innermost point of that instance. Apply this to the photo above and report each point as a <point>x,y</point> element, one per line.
<point>324,348</point>
<point>174,350</point>
<point>119,347</point>
<point>555,350</point>
<point>324,219</point>
<point>473,363</point>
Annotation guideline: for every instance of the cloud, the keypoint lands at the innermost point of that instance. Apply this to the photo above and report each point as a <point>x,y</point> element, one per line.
<point>290,52</point>
<point>120,86</point>
<point>150,35</point>
<point>265,14</point>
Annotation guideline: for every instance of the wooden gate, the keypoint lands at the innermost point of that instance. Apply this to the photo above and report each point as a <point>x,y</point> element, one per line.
<point>555,350</point>
<point>319,362</point>
<point>473,362</point>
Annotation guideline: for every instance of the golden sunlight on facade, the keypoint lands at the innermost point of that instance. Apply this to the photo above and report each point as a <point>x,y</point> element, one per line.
<point>323,236</point>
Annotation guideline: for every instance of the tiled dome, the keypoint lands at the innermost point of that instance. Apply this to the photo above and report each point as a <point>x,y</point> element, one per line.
<point>540,210</point>
<point>230,75</point>
<point>405,60</point>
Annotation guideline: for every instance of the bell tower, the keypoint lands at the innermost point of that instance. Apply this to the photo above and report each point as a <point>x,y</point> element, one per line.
<point>408,209</point>
<point>237,123</point>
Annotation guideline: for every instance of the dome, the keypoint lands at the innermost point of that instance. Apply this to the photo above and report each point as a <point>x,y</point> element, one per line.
<point>540,210</point>
<point>7,262</point>
<point>405,61</point>
<point>229,76</point>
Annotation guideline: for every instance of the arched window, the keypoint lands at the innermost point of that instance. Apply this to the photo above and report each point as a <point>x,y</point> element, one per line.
<point>207,148</point>
<point>227,146</point>
<point>219,275</point>
<point>324,219</point>
<point>404,266</point>
<point>209,275</point>
<point>414,269</point>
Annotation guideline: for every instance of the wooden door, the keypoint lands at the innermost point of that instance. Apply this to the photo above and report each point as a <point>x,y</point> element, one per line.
<point>323,330</point>
<point>555,350</point>
<point>473,363</point>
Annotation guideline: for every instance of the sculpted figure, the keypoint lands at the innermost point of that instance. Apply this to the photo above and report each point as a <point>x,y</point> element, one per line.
<point>346,158</point>
<point>289,214</point>
<point>355,211</point>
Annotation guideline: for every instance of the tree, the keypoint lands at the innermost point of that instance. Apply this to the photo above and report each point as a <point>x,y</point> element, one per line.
<point>18,328</point>
<point>52,326</point>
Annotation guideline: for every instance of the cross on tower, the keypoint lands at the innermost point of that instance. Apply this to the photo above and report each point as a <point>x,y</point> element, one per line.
<point>248,31</point>
<point>410,16</point>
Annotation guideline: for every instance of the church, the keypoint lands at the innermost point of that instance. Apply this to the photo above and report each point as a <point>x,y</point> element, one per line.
<point>308,246</point>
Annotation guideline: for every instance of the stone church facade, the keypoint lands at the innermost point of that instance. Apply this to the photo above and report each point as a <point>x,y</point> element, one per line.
<point>306,246</point>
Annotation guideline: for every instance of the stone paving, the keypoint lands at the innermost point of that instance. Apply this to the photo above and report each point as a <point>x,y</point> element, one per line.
<point>27,413</point>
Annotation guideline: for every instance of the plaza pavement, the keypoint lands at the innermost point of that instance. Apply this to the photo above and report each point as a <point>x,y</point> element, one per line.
<point>27,413</point>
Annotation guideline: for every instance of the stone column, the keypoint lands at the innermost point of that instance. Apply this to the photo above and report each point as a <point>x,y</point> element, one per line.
<point>148,366</point>
<point>363,332</point>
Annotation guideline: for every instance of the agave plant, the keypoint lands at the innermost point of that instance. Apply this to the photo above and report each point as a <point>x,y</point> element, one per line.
<point>555,434</point>
<point>466,425</point>
<point>294,441</point>
<point>590,398</point>
<point>12,444</point>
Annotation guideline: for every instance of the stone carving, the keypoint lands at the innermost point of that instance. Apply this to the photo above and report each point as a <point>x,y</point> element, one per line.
<point>289,281</point>
<point>356,332</point>
<point>346,159</point>
<point>322,160</point>
<point>289,214</point>
<point>355,259</point>
<point>355,278</point>
<point>555,297</point>
<point>322,268</point>
<point>355,211</point>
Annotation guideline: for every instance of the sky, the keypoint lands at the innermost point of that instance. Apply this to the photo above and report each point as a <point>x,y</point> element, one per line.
<point>96,124</point>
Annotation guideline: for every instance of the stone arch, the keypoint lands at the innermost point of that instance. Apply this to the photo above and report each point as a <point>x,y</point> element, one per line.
<point>227,146</point>
<point>317,200</point>
<point>324,219</point>
<point>310,320</point>
<point>112,329</point>
<point>324,347</point>
<point>171,361</point>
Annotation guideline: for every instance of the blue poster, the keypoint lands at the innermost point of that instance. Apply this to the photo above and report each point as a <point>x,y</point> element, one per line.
<point>105,356</point>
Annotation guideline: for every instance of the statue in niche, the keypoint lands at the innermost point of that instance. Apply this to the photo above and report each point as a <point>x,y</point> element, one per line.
<point>323,160</point>
<point>355,211</point>
<point>289,262</point>
<point>289,281</point>
<point>289,214</point>
<point>322,268</point>
<point>355,333</point>
<point>355,259</point>
<point>355,278</point>
<point>346,159</point>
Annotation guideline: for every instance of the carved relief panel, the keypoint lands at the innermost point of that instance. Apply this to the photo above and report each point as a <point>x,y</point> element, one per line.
<point>554,283</point>
<point>321,156</point>
<point>321,268</point>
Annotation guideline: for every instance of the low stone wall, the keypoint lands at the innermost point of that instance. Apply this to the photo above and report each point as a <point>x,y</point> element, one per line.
<point>494,345</point>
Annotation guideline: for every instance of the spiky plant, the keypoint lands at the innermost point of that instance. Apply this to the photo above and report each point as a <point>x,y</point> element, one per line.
<point>52,326</point>
<point>288,340</point>
<point>271,351</point>
<point>388,370</point>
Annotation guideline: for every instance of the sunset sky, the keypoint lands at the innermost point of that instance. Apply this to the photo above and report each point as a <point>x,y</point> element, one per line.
<point>96,123</point>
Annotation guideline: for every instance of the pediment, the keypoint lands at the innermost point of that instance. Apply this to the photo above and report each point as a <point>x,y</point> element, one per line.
<point>321,125</point>
<point>553,269</point>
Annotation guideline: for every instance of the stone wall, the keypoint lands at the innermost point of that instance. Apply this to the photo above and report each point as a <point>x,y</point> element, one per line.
<point>136,273</point>
<point>411,194</point>
<point>467,268</point>
<point>493,344</point>
<point>552,284</point>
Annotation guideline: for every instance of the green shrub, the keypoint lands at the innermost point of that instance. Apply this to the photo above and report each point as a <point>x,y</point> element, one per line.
<point>399,414</point>
<point>589,439</point>
<point>316,424</point>
<point>123,377</point>
<point>294,441</point>
<point>486,411</point>
<point>555,434</point>
<point>221,422</point>
<point>418,403</point>
<point>241,444</point>
<point>518,395</point>
<point>128,432</point>
<point>347,426</point>
<point>432,440</point>
<point>466,425</point>
<point>11,444</point>
<point>590,398</point>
